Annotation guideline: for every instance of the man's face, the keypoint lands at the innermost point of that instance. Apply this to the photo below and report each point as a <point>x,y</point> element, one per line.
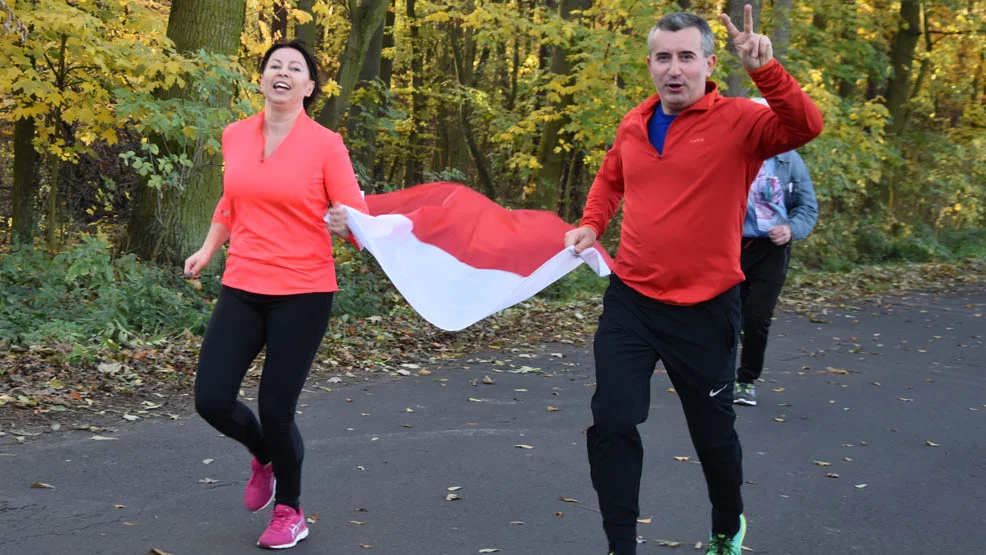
<point>678,68</point>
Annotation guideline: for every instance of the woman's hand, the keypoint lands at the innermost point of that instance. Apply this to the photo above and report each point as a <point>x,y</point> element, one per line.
<point>338,223</point>
<point>195,263</point>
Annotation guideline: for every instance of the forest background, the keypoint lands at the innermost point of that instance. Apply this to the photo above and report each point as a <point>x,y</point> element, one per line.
<point>111,111</point>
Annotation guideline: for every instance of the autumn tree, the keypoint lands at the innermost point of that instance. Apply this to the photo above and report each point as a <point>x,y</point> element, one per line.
<point>169,221</point>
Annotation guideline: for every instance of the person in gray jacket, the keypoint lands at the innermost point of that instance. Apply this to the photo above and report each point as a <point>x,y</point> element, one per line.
<point>781,209</point>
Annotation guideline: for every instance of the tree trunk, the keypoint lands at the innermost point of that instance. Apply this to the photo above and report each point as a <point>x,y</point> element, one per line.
<point>306,31</point>
<point>737,77</point>
<point>464,54</point>
<point>361,127</point>
<point>551,154</point>
<point>367,16</point>
<point>170,224</point>
<point>25,180</point>
<point>413,170</point>
<point>901,57</point>
<point>279,25</point>
<point>386,72</point>
<point>780,33</point>
<point>51,219</point>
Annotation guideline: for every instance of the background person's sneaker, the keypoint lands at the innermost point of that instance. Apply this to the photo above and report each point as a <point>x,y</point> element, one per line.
<point>745,394</point>
<point>719,544</point>
<point>260,487</point>
<point>286,529</point>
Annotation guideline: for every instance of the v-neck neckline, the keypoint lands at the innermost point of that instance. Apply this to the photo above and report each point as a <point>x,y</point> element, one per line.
<point>264,157</point>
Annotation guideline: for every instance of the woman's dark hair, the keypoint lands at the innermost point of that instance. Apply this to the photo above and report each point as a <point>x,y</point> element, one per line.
<point>310,61</point>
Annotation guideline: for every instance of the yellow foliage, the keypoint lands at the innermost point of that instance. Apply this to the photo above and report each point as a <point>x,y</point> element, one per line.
<point>438,17</point>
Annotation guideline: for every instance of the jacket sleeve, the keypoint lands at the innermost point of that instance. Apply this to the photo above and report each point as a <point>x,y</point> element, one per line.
<point>606,191</point>
<point>793,119</point>
<point>804,213</point>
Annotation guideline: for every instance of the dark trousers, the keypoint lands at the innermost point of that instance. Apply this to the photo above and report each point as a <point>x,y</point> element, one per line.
<point>291,326</point>
<point>765,267</point>
<point>698,346</point>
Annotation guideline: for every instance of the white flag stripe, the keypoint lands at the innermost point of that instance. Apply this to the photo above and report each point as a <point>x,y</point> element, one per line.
<point>445,291</point>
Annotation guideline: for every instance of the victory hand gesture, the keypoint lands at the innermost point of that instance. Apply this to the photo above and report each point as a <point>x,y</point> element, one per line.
<point>754,50</point>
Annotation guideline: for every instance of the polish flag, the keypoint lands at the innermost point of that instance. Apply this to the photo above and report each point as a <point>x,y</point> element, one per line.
<point>457,257</point>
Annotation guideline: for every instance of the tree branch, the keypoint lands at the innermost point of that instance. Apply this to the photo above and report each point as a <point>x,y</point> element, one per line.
<point>12,24</point>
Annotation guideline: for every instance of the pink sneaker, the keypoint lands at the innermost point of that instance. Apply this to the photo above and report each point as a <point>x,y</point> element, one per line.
<point>286,529</point>
<point>260,488</point>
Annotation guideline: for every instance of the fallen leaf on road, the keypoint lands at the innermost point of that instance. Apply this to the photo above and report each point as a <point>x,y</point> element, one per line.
<point>831,475</point>
<point>489,550</point>
<point>522,446</point>
<point>207,461</point>
<point>488,380</point>
<point>454,488</point>
<point>822,463</point>
<point>669,543</point>
<point>553,409</point>
<point>475,400</point>
<point>839,371</point>
<point>778,419</point>
<point>570,500</point>
<point>453,497</point>
<point>931,444</point>
<point>156,551</point>
<point>357,522</point>
<point>42,485</point>
<point>517,522</point>
<point>208,481</point>
<point>104,438</point>
<point>682,459</point>
<point>118,506</point>
<point>860,486</point>
<point>365,546</point>
<point>647,520</point>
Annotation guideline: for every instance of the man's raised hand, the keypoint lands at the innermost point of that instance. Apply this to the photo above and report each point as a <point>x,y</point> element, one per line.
<point>754,50</point>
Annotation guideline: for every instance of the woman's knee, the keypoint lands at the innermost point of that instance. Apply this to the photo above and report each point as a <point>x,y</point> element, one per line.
<point>211,406</point>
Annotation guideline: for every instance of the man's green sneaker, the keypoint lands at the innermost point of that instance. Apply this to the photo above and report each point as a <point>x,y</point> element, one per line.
<point>745,394</point>
<point>719,544</point>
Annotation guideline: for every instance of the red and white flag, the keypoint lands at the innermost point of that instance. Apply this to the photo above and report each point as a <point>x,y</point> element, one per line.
<point>457,257</point>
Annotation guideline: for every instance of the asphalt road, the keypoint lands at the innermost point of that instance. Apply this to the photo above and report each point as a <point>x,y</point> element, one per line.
<point>870,438</point>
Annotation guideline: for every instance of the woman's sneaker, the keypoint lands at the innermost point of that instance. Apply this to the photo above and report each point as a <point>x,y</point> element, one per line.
<point>286,529</point>
<point>260,487</point>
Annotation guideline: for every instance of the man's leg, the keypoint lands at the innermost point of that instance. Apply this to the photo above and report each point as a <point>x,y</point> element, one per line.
<point>624,366</point>
<point>700,354</point>
<point>765,266</point>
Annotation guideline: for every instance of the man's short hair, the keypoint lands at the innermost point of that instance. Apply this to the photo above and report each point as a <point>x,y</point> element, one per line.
<point>682,20</point>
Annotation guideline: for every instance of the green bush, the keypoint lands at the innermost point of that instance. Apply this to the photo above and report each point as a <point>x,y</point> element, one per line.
<point>87,298</point>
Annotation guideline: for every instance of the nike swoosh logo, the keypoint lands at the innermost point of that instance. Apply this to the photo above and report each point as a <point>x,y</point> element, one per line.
<point>715,392</point>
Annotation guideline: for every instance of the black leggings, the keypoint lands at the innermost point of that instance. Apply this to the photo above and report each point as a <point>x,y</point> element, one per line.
<point>291,326</point>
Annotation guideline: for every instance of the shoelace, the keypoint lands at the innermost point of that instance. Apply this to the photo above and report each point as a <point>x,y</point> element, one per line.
<point>282,518</point>
<point>720,545</point>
